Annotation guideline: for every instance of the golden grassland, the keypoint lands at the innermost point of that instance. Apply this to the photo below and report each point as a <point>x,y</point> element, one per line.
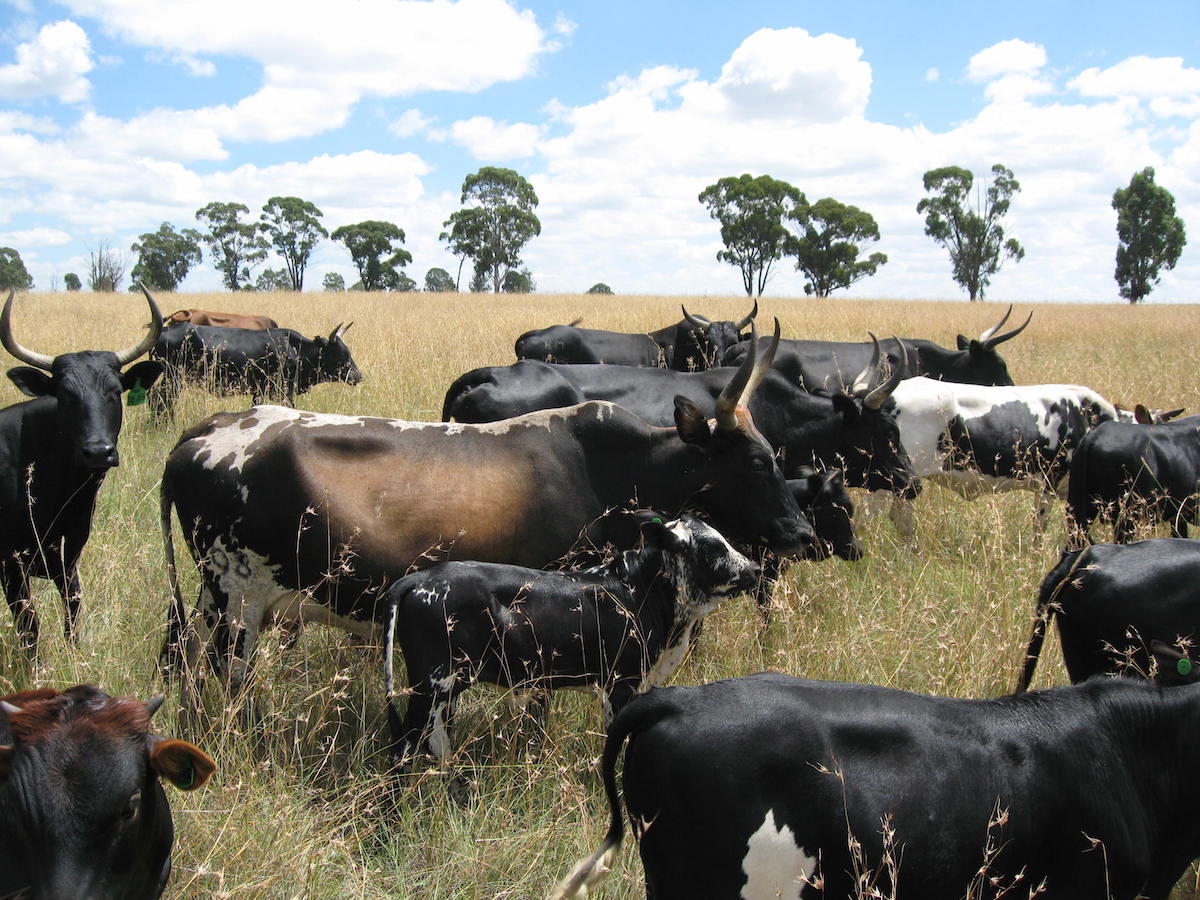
<point>299,807</point>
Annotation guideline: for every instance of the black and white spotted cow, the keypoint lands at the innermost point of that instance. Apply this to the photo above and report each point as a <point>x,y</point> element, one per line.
<point>754,788</point>
<point>981,439</point>
<point>619,627</point>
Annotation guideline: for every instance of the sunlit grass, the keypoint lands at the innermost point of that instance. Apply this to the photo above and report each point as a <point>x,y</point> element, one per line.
<point>299,807</point>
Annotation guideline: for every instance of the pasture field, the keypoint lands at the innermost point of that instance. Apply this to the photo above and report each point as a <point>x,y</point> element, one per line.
<point>299,807</point>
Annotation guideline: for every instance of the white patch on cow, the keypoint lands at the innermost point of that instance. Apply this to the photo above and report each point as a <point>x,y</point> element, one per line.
<point>231,445</point>
<point>439,734</point>
<point>431,595</point>
<point>774,864</point>
<point>670,658</point>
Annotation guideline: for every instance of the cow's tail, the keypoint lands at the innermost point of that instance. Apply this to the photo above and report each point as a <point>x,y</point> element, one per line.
<point>171,655</point>
<point>642,713</point>
<point>1048,594</point>
<point>462,386</point>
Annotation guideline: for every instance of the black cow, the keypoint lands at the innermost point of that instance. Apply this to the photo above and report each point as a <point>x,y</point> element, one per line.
<point>1135,472</point>
<point>771,786</point>
<point>1111,601</point>
<point>620,627</point>
<point>308,514</point>
<point>856,431</point>
<point>272,363</point>
<point>691,344</point>
<point>82,810</point>
<point>827,365</point>
<point>54,453</point>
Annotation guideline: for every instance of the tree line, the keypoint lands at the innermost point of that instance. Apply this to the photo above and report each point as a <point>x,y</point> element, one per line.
<point>762,220</point>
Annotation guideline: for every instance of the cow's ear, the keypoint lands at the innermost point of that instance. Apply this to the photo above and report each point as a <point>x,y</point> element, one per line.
<point>31,382</point>
<point>963,342</point>
<point>1141,415</point>
<point>144,373</point>
<point>1172,666</point>
<point>691,424</point>
<point>847,406</point>
<point>184,765</point>
<point>1168,414</point>
<point>656,534</point>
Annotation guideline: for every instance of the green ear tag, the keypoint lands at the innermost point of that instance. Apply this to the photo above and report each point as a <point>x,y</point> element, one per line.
<point>1184,667</point>
<point>186,781</point>
<point>136,395</point>
<point>656,520</point>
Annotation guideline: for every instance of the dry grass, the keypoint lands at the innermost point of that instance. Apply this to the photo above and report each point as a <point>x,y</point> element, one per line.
<point>298,808</point>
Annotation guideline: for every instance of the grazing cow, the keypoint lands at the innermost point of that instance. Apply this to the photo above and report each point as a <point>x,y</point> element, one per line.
<point>82,810</point>
<point>54,453</point>
<point>620,627</point>
<point>826,365</point>
<point>307,514</point>
<point>1111,601</point>
<point>220,319</point>
<point>979,439</point>
<point>275,364</point>
<point>691,344</point>
<point>1134,472</point>
<point>803,789</point>
<point>855,431</point>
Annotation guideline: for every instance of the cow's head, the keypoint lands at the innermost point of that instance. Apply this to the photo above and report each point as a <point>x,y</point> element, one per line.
<point>822,497</point>
<point>979,363</point>
<point>87,386</point>
<point>701,343</point>
<point>701,564</point>
<point>336,363</point>
<point>745,493</point>
<point>82,809</point>
<point>870,448</point>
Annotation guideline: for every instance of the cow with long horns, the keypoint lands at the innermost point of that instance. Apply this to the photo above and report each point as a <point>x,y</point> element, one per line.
<point>309,515</point>
<point>693,343</point>
<point>54,453</point>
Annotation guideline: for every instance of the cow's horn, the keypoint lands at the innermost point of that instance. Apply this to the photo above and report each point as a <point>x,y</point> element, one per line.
<point>728,401</point>
<point>750,318</point>
<point>983,338</point>
<point>1008,335</point>
<point>38,360</point>
<point>863,381</point>
<point>154,704</point>
<point>695,321</point>
<point>761,367</point>
<point>153,330</point>
<point>8,707</point>
<point>879,396</point>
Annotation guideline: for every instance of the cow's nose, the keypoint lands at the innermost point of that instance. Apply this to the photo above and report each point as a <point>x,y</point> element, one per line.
<point>100,455</point>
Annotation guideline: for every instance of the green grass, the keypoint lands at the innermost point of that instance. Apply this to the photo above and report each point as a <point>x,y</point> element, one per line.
<point>299,807</point>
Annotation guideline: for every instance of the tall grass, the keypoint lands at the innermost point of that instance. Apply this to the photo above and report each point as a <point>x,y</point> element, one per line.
<point>299,807</point>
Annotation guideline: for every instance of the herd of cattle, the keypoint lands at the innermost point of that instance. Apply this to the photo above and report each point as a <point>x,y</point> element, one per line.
<point>569,523</point>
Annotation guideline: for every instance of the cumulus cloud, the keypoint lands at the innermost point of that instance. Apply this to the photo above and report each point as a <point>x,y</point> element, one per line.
<point>932,74</point>
<point>35,237</point>
<point>409,123</point>
<point>1166,80</point>
<point>54,63</point>
<point>1011,57</point>
<point>486,138</point>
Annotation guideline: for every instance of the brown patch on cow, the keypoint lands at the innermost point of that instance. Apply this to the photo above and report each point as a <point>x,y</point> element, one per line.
<point>44,710</point>
<point>216,319</point>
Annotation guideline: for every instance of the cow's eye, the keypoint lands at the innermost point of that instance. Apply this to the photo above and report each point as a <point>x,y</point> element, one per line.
<point>132,805</point>
<point>758,466</point>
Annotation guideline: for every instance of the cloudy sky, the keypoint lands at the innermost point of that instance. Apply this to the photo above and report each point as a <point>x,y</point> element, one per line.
<point>117,115</point>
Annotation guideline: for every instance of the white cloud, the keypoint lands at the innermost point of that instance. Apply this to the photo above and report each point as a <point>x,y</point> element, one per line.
<point>932,74</point>
<point>1173,88</point>
<point>488,139</point>
<point>53,63</point>
<point>409,123</point>
<point>35,237</point>
<point>1009,57</point>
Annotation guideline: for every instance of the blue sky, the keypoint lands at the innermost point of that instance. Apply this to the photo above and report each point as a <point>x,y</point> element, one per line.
<point>116,115</point>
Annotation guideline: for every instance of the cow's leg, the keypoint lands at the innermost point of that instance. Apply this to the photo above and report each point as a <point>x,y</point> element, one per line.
<point>67,582</point>
<point>16,592</point>
<point>426,721</point>
<point>206,634</point>
<point>769,568</point>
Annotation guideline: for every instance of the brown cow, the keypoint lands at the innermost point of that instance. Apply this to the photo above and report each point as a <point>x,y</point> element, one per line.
<point>220,319</point>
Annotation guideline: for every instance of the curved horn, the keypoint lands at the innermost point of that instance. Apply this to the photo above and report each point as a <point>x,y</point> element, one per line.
<point>154,704</point>
<point>154,329</point>
<point>9,708</point>
<point>731,396</point>
<point>862,382</point>
<point>38,360</point>
<point>746,321</point>
<point>879,396</point>
<point>983,338</point>
<point>696,321</point>
<point>761,368</point>
<point>1008,335</point>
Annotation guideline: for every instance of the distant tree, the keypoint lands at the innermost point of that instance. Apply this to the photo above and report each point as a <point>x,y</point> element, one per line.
<point>827,244</point>
<point>293,226</point>
<point>751,212</point>
<point>106,268</point>
<point>164,257</point>
<point>273,280</point>
<point>375,249</point>
<point>236,248</point>
<point>480,282</point>
<point>970,232</point>
<point>439,281</point>
<point>496,223</point>
<point>71,282</point>
<point>519,282</point>
<point>1150,236</point>
<point>333,281</point>
<point>13,275</point>
<point>599,288</point>
<point>395,281</point>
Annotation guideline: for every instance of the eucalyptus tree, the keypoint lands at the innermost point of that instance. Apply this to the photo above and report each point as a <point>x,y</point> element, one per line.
<point>165,257</point>
<point>294,229</point>
<point>235,247</point>
<point>1150,236</point>
<point>496,222</point>
<point>377,252</point>
<point>828,243</point>
<point>751,211</point>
